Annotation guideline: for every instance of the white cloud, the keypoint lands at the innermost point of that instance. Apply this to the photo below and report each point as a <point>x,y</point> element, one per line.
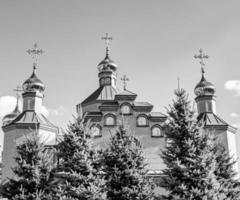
<point>236,125</point>
<point>57,112</point>
<point>233,85</point>
<point>7,105</point>
<point>234,115</point>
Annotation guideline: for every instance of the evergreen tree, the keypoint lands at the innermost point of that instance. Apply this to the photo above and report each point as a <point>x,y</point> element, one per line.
<point>33,173</point>
<point>78,168</point>
<point>124,169</point>
<point>195,166</point>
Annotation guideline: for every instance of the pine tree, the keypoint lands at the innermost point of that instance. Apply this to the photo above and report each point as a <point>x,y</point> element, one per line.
<point>195,166</point>
<point>124,169</point>
<point>33,174</point>
<point>78,169</point>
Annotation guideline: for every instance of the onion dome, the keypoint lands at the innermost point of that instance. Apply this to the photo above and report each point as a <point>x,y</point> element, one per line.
<point>107,63</point>
<point>204,87</point>
<point>33,83</point>
<point>11,116</point>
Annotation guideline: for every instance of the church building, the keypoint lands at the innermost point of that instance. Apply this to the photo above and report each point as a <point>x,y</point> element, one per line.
<point>106,108</point>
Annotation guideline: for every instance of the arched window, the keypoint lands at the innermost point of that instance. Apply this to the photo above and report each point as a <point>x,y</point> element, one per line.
<point>125,109</point>
<point>109,120</point>
<point>142,121</point>
<point>96,131</point>
<point>157,131</point>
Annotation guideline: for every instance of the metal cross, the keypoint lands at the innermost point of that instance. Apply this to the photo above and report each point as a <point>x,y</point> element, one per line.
<point>35,52</point>
<point>124,79</point>
<point>18,90</point>
<point>107,42</point>
<point>201,56</point>
<point>107,39</point>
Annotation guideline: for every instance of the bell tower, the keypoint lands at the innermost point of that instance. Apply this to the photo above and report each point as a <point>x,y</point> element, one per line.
<point>207,114</point>
<point>204,90</point>
<point>18,124</point>
<point>107,67</point>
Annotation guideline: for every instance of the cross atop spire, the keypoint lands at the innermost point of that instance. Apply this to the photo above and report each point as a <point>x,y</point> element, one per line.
<point>34,53</point>
<point>107,39</point>
<point>201,56</point>
<point>125,79</point>
<point>18,90</point>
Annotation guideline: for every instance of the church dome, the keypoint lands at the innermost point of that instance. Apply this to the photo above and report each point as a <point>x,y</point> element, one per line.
<point>107,63</point>
<point>11,116</point>
<point>204,87</point>
<point>33,83</point>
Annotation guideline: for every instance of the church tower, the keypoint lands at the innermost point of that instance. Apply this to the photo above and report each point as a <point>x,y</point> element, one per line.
<point>19,124</point>
<point>207,113</point>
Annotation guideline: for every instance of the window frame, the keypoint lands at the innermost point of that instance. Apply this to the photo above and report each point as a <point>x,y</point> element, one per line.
<point>161,131</point>
<point>129,106</point>
<point>114,120</point>
<point>146,118</point>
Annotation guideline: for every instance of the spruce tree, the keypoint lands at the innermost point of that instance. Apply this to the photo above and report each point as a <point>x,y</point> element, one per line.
<point>195,167</point>
<point>33,174</point>
<point>78,169</point>
<point>124,169</point>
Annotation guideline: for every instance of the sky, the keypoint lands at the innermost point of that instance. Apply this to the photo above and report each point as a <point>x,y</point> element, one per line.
<point>153,44</point>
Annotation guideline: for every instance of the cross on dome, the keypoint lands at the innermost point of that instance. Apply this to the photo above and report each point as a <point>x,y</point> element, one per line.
<point>124,79</point>
<point>107,39</point>
<point>201,56</point>
<point>18,90</point>
<point>34,53</point>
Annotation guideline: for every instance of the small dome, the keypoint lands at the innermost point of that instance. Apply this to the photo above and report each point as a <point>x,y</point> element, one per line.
<point>204,87</point>
<point>33,83</point>
<point>11,116</point>
<point>107,63</point>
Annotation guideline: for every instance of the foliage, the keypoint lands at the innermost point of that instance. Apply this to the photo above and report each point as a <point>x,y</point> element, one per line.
<point>124,169</point>
<point>33,172</point>
<point>198,168</point>
<point>78,168</point>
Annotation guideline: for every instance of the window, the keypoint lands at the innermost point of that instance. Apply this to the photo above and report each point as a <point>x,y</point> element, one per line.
<point>209,106</point>
<point>157,131</point>
<point>109,120</point>
<point>125,109</point>
<point>142,121</point>
<point>96,131</point>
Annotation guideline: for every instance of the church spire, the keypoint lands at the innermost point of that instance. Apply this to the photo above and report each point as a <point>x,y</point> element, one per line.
<point>204,90</point>
<point>107,67</point>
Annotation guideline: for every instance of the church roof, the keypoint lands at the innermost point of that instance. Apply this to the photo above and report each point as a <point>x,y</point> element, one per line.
<point>30,116</point>
<point>106,92</point>
<point>211,119</point>
<point>126,92</point>
<point>140,104</point>
<point>157,114</point>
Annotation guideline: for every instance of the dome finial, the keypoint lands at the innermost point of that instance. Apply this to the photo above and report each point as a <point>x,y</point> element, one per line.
<point>107,42</point>
<point>34,53</point>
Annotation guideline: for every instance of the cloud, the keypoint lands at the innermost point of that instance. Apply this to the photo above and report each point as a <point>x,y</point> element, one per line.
<point>233,85</point>
<point>236,125</point>
<point>58,111</point>
<point>234,115</point>
<point>7,105</point>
